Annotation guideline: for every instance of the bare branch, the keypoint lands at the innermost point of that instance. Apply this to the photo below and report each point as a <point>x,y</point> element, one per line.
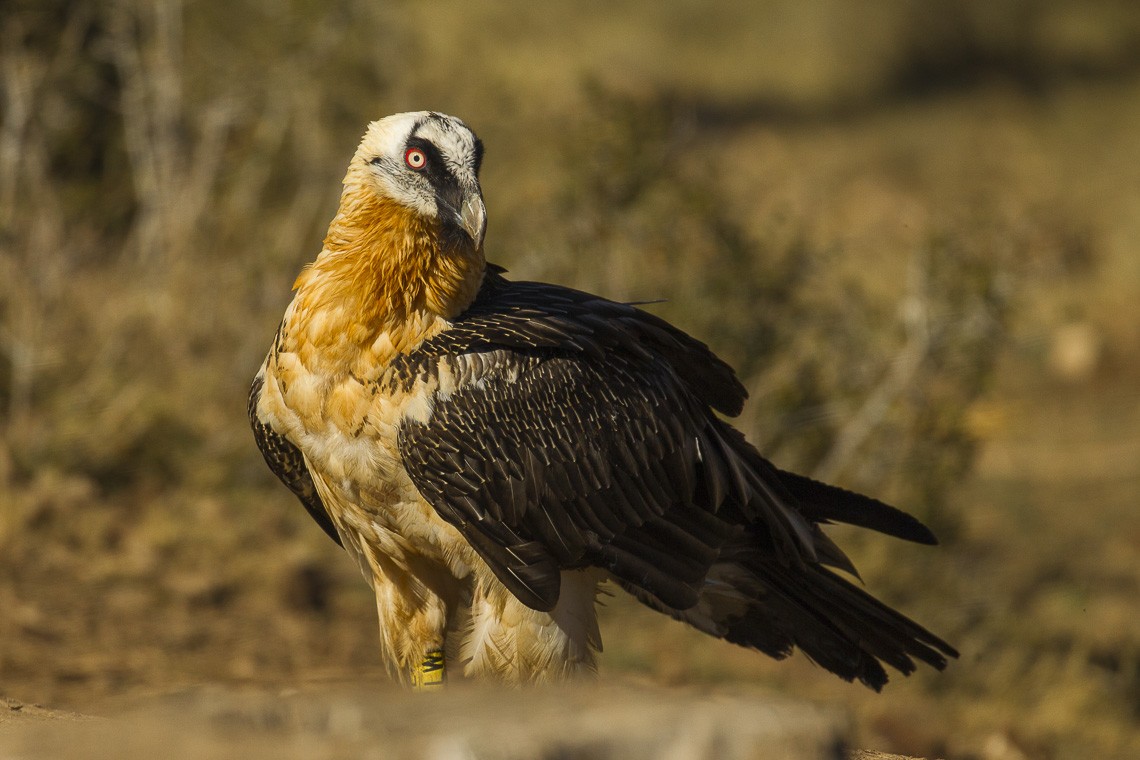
<point>902,372</point>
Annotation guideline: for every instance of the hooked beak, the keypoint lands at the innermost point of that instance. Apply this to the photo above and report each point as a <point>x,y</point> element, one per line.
<point>473,216</point>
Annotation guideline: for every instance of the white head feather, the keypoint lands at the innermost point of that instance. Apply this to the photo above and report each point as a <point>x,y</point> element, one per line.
<point>382,153</point>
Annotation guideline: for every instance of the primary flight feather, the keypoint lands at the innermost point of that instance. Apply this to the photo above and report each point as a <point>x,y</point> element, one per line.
<point>489,451</point>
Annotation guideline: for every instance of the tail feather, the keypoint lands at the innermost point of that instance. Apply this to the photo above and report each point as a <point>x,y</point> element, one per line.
<point>780,623</point>
<point>822,502</point>
<point>773,608</point>
<point>768,585</point>
<point>838,625</point>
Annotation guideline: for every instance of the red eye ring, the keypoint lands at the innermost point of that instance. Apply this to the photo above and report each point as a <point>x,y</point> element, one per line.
<point>415,158</point>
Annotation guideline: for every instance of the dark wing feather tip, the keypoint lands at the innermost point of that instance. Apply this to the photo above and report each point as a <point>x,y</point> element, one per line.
<point>822,502</point>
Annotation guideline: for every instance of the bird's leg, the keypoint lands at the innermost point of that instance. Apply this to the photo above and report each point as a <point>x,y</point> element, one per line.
<point>431,673</point>
<point>413,617</point>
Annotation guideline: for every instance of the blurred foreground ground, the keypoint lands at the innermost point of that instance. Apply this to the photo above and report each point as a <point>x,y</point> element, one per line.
<point>784,172</point>
<point>368,720</point>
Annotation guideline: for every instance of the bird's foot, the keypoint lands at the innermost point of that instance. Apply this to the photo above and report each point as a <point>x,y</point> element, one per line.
<point>430,674</point>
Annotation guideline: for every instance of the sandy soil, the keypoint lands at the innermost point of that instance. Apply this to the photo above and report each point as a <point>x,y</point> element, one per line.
<point>632,722</point>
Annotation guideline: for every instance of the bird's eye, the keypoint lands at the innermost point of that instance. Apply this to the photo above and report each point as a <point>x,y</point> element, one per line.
<point>415,158</point>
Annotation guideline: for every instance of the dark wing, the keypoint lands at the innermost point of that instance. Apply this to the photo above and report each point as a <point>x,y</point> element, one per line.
<point>288,464</point>
<point>580,434</point>
<point>587,439</point>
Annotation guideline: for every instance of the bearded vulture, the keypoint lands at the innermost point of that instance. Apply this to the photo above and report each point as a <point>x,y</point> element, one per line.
<point>490,451</point>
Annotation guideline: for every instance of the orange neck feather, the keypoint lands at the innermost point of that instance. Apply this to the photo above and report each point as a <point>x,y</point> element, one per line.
<point>384,269</point>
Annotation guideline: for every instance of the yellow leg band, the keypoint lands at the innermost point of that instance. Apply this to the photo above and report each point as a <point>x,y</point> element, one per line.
<point>430,674</point>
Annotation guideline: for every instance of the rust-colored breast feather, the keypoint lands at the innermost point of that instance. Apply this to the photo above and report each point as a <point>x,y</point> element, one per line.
<point>383,267</point>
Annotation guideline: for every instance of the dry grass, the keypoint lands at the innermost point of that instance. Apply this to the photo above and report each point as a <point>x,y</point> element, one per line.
<point>914,232</point>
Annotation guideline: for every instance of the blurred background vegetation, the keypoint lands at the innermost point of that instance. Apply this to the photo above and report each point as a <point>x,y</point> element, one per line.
<point>913,226</point>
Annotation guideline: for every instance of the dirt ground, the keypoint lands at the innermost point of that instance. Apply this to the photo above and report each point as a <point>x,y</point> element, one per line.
<point>633,719</point>
<point>346,720</point>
